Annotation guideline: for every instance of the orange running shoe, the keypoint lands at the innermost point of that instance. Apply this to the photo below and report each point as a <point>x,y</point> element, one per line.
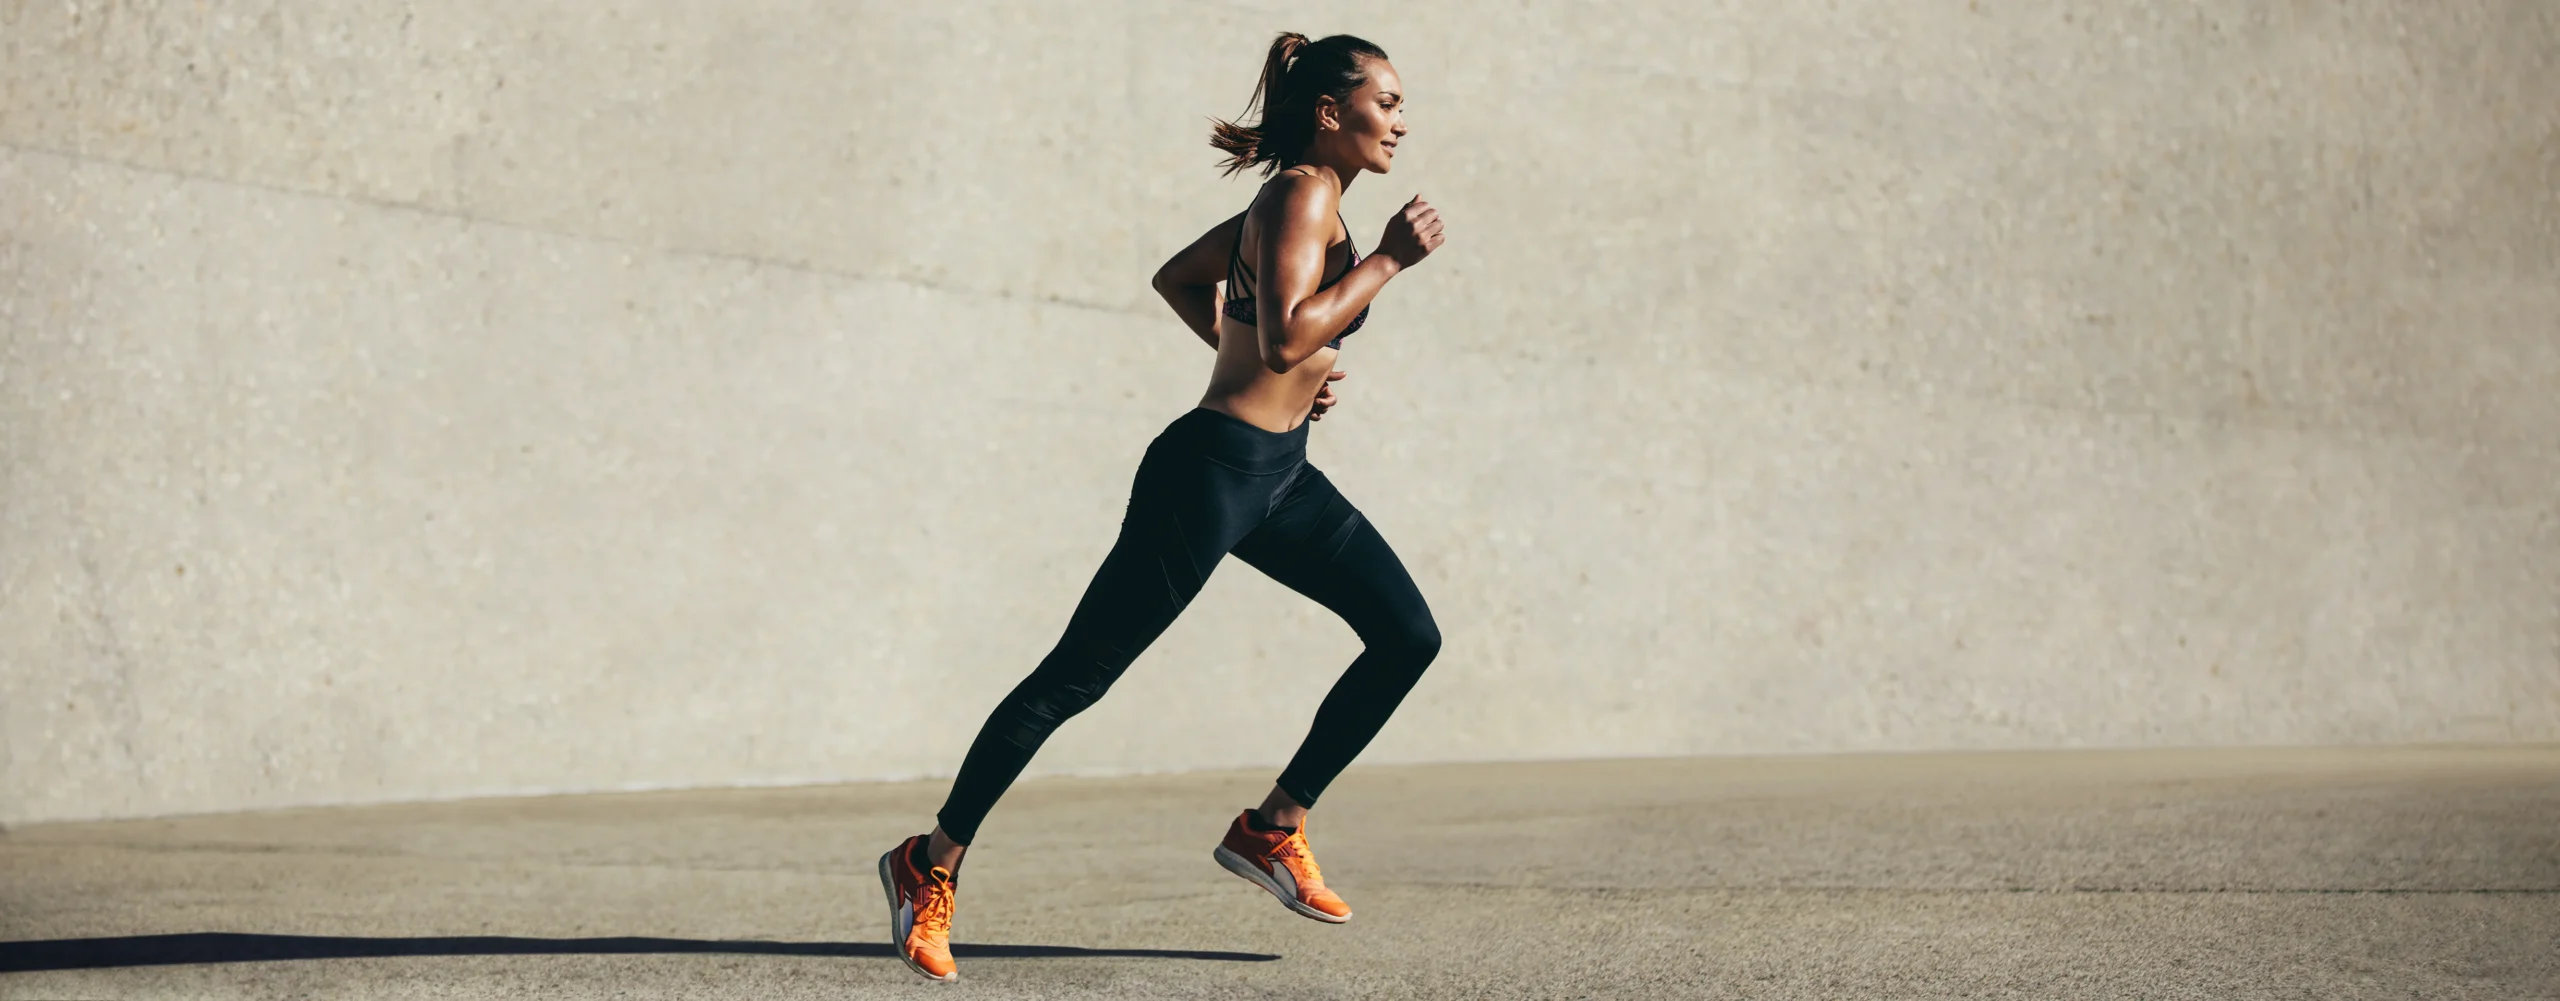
<point>920,910</point>
<point>1279,861</point>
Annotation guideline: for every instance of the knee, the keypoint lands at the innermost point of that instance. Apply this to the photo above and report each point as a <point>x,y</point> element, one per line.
<point>1053,695</point>
<point>1049,708</point>
<point>1413,639</point>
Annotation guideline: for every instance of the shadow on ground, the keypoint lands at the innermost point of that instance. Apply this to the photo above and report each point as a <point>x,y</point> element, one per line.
<point>2242,874</point>
<point>233,947</point>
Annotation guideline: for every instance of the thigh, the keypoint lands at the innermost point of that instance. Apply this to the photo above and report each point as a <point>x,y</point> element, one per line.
<point>1185,512</point>
<point>1316,543</point>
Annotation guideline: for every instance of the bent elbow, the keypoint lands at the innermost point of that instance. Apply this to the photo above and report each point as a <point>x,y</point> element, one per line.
<point>1277,357</point>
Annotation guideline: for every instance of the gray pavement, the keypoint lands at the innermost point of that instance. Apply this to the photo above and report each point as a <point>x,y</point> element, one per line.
<point>2399,873</point>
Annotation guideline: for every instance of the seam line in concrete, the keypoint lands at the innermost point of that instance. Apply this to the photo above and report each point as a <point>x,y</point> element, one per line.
<point>2287,420</point>
<point>670,250</point>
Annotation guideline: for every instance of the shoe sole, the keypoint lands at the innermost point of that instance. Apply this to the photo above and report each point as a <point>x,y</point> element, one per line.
<point>897,936</point>
<point>1252,873</point>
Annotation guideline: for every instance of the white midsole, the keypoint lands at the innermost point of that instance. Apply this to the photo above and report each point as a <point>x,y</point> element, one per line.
<point>1244,867</point>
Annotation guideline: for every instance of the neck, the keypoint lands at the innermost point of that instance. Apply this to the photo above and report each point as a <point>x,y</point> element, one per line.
<point>1341,178</point>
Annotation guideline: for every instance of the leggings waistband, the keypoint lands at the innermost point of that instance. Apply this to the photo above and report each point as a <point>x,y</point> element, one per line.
<point>1232,441</point>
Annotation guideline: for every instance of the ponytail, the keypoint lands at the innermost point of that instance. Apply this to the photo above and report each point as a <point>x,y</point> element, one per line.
<point>1294,75</point>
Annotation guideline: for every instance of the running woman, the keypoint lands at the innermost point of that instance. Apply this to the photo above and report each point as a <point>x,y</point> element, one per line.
<point>1232,476</point>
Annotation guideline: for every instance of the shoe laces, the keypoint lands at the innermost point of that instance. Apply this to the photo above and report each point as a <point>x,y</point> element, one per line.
<point>934,901</point>
<point>1294,849</point>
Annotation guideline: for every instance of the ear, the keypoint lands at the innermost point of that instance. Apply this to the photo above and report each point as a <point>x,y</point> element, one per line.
<point>1328,113</point>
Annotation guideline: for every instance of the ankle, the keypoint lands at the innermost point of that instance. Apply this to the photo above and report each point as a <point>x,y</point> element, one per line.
<point>939,850</point>
<point>1281,810</point>
<point>1288,820</point>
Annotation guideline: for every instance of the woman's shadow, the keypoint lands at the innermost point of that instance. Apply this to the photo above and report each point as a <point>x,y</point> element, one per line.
<point>233,947</point>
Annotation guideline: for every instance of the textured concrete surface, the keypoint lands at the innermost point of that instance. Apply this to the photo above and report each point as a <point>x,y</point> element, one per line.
<point>406,401</point>
<point>2426,873</point>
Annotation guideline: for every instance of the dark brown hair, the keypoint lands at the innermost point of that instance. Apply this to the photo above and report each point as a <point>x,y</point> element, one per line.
<point>1294,75</point>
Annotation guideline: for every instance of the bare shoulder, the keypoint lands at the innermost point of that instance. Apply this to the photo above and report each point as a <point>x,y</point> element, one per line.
<point>1297,199</point>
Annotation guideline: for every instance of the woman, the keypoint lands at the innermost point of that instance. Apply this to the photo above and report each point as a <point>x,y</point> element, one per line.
<point>1232,476</point>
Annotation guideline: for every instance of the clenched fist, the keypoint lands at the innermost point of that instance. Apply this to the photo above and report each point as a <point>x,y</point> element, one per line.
<point>1413,234</point>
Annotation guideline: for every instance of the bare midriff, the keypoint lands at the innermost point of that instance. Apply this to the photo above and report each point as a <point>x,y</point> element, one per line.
<point>1242,387</point>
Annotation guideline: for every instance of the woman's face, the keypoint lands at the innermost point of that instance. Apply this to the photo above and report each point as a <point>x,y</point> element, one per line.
<point>1363,131</point>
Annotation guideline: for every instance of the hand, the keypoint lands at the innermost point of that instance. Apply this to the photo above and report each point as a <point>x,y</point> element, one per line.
<point>1324,396</point>
<point>1413,234</point>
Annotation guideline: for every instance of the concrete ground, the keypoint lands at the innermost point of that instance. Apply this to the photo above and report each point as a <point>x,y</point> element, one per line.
<point>2404,873</point>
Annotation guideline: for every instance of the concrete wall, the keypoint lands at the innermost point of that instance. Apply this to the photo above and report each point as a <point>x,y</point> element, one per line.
<point>408,401</point>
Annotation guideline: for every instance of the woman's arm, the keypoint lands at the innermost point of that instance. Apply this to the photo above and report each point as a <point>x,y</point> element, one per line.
<point>1294,318</point>
<point>1189,282</point>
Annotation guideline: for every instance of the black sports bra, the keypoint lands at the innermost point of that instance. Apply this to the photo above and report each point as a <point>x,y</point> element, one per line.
<point>1240,307</point>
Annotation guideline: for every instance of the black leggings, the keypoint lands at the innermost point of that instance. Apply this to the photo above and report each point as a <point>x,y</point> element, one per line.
<point>1211,485</point>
